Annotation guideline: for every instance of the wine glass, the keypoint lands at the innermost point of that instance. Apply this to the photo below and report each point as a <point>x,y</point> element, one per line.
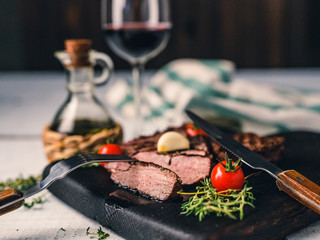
<point>136,30</point>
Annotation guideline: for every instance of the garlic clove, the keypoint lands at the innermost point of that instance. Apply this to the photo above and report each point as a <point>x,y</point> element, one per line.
<point>171,141</point>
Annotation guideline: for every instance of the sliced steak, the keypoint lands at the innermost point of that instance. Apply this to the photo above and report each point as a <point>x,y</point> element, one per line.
<point>201,142</point>
<point>140,144</point>
<point>191,166</point>
<point>148,178</point>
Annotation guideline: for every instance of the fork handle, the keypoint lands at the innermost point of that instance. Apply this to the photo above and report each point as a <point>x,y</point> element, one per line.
<point>7,196</point>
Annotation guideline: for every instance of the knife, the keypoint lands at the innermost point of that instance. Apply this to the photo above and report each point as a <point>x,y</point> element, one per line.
<point>11,199</point>
<point>290,181</point>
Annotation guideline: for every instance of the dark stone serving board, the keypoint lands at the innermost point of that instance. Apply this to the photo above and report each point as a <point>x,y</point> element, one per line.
<point>91,192</point>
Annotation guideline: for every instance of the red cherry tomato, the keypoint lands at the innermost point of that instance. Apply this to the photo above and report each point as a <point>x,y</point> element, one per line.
<point>193,130</point>
<point>109,148</point>
<point>222,180</point>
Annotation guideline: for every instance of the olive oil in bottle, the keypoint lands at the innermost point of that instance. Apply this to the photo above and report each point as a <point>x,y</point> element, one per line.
<point>82,111</point>
<point>82,114</point>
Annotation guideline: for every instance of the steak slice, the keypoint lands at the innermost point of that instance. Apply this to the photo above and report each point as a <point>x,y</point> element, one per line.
<point>191,166</point>
<point>148,178</point>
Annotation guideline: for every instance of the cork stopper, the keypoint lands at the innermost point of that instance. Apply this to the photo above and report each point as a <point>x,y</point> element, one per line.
<point>78,49</point>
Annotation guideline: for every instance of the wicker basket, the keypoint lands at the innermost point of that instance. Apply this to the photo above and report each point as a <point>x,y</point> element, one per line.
<point>58,146</point>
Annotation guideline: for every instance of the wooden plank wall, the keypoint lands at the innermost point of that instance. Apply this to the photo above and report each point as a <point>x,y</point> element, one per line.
<point>252,33</point>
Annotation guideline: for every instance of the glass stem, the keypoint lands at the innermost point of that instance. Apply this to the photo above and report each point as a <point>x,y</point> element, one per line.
<point>137,70</point>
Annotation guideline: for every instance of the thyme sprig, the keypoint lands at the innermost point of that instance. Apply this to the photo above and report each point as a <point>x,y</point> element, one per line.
<point>207,200</point>
<point>101,234</point>
<point>230,166</point>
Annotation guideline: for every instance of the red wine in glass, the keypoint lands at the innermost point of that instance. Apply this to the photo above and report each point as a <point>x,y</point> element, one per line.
<point>137,41</point>
<point>137,31</point>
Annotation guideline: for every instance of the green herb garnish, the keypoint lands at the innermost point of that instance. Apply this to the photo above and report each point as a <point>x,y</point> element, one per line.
<point>23,184</point>
<point>101,234</point>
<point>20,183</point>
<point>91,165</point>
<point>225,203</point>
<point>38,200</point>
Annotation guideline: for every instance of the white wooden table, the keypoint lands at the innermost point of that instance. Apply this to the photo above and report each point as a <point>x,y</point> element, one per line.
<point>28,102</point>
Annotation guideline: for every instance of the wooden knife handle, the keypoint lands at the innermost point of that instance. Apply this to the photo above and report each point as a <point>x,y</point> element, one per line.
<point>300,188</point>
<point>8,196</point>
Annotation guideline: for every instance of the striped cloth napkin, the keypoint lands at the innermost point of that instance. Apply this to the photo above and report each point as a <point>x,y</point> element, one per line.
<point>208,88</point>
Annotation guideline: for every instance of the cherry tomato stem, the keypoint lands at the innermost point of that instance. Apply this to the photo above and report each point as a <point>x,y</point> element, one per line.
<point>227,175</point>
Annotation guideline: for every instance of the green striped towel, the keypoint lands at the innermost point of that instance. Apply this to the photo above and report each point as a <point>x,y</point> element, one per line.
<point>208,88</point>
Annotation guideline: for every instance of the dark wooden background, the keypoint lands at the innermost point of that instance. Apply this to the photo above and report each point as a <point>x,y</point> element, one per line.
<point>252,33</point>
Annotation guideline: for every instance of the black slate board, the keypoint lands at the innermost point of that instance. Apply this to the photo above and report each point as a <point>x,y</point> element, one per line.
<point>91,192</point>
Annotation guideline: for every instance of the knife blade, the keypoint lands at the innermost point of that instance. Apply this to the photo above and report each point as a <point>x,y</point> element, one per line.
<point>290,181</point>
<point>11,199</point>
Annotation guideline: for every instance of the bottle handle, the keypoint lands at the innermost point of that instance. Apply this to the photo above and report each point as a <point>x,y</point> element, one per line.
<point>105,62</point>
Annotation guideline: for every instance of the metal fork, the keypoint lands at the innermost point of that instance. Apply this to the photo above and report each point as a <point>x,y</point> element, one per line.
<point>11,199</point>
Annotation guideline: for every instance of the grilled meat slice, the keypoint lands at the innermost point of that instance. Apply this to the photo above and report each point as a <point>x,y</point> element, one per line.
<point>268,147</point>
<point>148,178</point>
<point>191,166</point>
